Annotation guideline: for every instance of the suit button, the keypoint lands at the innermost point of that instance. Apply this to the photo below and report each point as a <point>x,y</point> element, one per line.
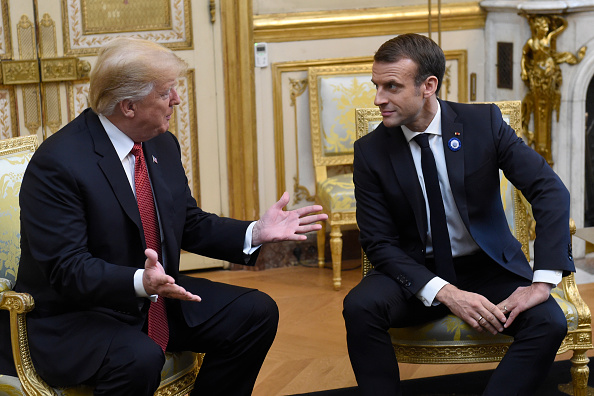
<point>407,284</point>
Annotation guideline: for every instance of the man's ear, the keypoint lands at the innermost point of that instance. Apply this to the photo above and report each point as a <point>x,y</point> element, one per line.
<point>127,107</point>
<point>430,86</point>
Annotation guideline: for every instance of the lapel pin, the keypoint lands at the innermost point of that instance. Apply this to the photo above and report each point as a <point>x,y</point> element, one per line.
<point>454,144</point>
<point>456,133</point>
<point>155,160</point>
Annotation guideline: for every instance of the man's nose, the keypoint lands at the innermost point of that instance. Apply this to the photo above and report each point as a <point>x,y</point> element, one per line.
<point>174,97</point>
<point>379,98</point>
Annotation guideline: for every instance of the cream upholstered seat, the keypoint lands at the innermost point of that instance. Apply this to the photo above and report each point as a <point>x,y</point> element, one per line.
<point>334,94</point>
<point>450,339</point>
<point>180,369</point>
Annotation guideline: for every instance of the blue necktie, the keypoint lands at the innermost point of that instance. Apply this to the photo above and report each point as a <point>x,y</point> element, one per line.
<point>442,250</point>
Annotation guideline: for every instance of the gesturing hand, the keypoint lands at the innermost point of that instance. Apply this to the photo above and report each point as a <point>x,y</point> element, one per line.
<point>156,281</point>
<point>286,225</point>
<point>472,308</point>
<point>524,298</point>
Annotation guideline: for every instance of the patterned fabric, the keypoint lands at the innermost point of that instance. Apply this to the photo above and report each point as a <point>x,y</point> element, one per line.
<point>158,329</point>
<point>12,169</point>
<point>339,96</point>
<point>338,193</point>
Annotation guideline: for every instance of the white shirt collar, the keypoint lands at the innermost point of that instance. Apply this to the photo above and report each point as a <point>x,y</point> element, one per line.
<point>433,128</point>
<point>121,142</point>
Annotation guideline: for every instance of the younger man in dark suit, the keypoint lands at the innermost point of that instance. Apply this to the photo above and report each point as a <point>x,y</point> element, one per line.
<point>105,211</point>
<point>432,224</point>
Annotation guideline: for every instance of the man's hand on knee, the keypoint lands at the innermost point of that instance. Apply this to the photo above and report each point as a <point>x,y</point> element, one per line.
<point>524,298</point>
<point>472,308</point>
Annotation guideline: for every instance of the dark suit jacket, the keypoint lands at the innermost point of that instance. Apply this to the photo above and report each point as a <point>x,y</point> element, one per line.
<point>391,210</point>
<point>82,241</point>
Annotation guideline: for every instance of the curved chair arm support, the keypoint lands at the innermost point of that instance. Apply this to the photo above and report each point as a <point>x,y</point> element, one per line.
<point>18,304</point>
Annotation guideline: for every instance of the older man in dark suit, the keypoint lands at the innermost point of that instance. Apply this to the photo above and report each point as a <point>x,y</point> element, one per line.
<point>432,224</point>
<point>105,210</point>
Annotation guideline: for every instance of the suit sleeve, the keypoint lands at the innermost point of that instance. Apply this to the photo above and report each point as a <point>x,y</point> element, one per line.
<point>531,174</point>
<point>54,234</point>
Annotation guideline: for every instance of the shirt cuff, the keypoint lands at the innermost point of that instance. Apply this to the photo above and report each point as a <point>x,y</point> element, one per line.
<point>548,276</point>
<point>428,292</point>
<point>139,288</point>
<point>248,249</point>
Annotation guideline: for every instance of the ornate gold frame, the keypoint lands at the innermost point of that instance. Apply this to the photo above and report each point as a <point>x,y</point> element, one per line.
<point>364,22</point>
<point>5,34</point>
<point>77,42</point>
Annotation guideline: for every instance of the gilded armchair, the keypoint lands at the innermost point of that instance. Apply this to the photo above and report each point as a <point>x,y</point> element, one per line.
<point>451,340</point>
<point>334,94</point>
<point>180,369</point>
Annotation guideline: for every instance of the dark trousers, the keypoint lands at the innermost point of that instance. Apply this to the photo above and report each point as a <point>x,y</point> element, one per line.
<point>378,303</point>
<point>235,340</point>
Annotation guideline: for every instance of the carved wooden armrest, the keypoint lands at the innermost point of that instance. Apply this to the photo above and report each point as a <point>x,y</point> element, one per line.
<point>18,304</point>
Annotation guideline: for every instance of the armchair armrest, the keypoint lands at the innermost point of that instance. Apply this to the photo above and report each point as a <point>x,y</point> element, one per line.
<point>18,304</point>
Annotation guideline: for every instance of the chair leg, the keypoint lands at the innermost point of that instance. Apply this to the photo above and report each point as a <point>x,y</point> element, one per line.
<point>336,249</point>
<point>580,372</point>
<point>322,245</point>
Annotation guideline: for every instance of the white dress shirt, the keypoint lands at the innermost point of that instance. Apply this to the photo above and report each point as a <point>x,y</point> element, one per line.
<point>460,239</point>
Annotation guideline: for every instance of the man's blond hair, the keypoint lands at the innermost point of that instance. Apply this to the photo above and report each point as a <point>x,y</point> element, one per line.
<point>129,68</point>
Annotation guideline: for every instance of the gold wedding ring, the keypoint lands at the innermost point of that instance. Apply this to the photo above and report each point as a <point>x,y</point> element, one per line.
<point>505,309</point>
<point>479,319</point>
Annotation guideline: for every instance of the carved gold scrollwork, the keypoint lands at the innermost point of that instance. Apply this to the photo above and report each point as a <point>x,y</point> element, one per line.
<point>298,87</point>
<point>542,75</point>
<point>41,73</point>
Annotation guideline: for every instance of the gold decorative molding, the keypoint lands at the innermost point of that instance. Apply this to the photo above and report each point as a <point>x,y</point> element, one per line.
<point>185,128</point>
<point>27,73</point>
<point>298,87</point>
<point>5,35</point>
<point>78,97</point>
<point>8,113</point>
<point>542,74</point>
<point>242,158</point>
<point>364,22</point>
<point>115,16</point>
<point>82,37</point>
<point>277,88</point>
<point>212,6</point>
<point>64,69</point>
<point>20,72</point>
<point>450,354</point>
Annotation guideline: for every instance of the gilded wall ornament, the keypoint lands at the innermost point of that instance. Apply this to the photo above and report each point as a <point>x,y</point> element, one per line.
<point>542,75</point>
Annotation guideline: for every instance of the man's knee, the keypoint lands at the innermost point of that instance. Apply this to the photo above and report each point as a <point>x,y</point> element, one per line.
<point>130,369</point>
<point>359,309</point>
<point>547,320</point>
<point>261,309</point>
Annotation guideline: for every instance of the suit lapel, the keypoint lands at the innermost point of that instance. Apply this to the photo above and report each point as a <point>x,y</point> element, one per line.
<point>454,159</point>
<point>404,168</point>
<point>111,167</point>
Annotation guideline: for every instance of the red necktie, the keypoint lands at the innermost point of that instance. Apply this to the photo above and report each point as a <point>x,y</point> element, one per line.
<point>158,329</point>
